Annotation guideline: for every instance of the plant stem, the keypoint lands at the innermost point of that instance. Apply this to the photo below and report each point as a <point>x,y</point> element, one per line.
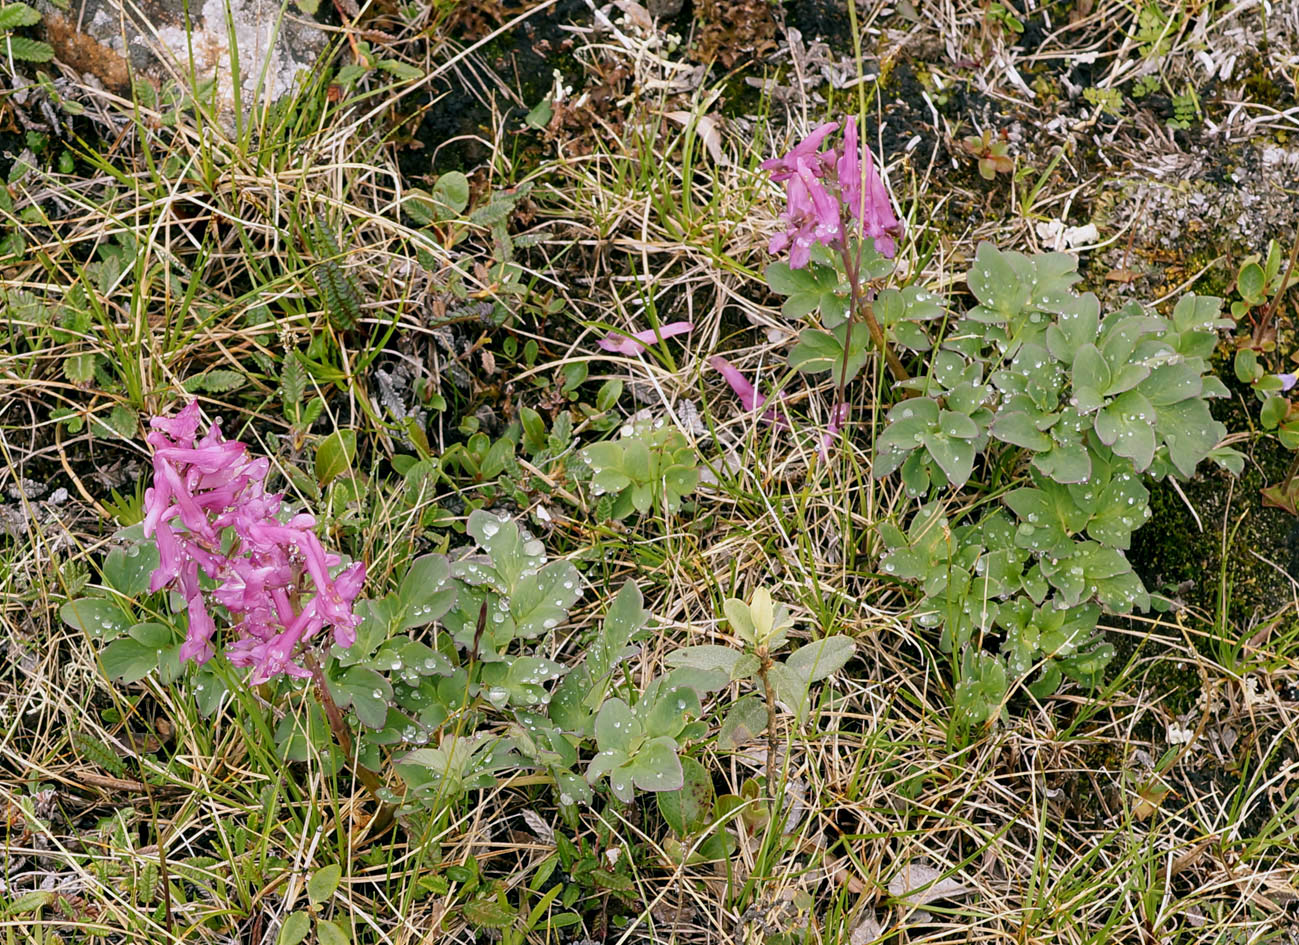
<point>859,304</point>
<point>770,694</point>
<point>343,735</point>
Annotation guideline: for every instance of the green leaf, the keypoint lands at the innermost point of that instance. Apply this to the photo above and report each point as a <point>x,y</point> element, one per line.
<point>425,593</point>
<point>295,928</point>
<point>1091,377</point>
<point>223,381</point>
<point>689,809</point>
<point>1246,365</point>
<point>29,902</point>
<point>786,281</point>
<point>1074,328</point>
<point>330,933</point>
<point>128,570</point>
<point>1019,429</point>
<point>1273,412</point>
<point>96,617</point>
<point>14,15</point>
<point>539,115</point>
<point>366,692</point>
<point>996,283</point>
<point>656,767</point>
<point>402,70</point>
<point>334,455</point>
<point>1127,426</point>
<point>27,50</point>
<point>616,727</point>
<point>791,689</point>
<point>128,660</point>
<point>1190,432</point>
<point>488,914</point>
<point>817,660</point>
<point>955,457</point>
<point>744,723</point>
<point>707,656</point>
<point>451,194</point>
<point>819,351</point>
<point>80,368</point>
<point>1251,283</point>
<point>323,882</point>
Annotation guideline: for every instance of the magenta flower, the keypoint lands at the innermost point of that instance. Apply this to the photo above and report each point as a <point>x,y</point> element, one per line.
<point>806,153</point>
<point>635,344</point>
<point>822,188</point>
<point>869,206</point>
<point>750,399</point>
<point>272,578</point>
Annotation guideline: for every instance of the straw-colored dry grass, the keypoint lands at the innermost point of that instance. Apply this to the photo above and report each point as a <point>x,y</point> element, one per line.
<point>1158,808</point>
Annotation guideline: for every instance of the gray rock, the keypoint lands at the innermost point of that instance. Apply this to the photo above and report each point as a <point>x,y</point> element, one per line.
<point>111,39</point>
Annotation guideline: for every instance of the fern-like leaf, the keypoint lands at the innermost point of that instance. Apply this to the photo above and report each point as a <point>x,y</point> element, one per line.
<point>28,50</point>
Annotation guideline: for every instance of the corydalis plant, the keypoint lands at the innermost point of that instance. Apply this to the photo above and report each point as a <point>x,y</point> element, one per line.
<point>840,233</point>
<point>208,511</point>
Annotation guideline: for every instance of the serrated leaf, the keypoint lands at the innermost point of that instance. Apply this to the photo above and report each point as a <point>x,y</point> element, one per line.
<point>14,15</point>
<point>488,914</point>
<point>220,382</point>
<point>27,50</point>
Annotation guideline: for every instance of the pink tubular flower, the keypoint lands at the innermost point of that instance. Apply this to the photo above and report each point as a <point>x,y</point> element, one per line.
<point>806,152</point>
<point>822,187</point>
<point>869,206</point>
<point>635,344</point>
<point>209,512</point>
<point>750,399</point>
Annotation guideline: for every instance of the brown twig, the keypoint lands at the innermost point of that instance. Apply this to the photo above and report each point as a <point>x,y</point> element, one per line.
<point>343,735</point>
<point>764,669</point>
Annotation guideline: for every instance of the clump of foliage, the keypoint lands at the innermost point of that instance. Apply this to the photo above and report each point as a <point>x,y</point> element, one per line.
<point>652,467</point>
<point>1258,281</point>
<point>1028,441</point>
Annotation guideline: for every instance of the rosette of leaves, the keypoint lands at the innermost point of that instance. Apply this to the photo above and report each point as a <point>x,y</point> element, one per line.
<point>1068,411</point>
<point>762,627</point>
<point>653,467</point>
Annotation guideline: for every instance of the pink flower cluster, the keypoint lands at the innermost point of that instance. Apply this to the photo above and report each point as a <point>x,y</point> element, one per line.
<point>209,511</point>
<point>821,185</point>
